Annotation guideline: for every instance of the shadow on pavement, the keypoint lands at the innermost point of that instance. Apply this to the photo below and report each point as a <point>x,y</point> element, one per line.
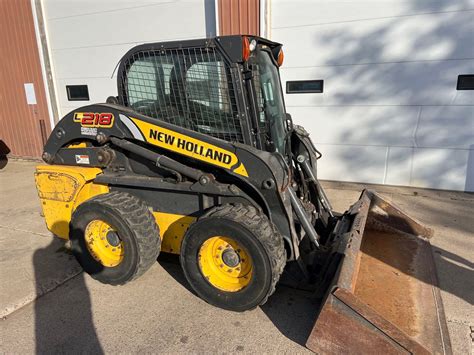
<point>456,274</point>
<point>65,325</point>
<point>170,263</point>
<point>292,311</point>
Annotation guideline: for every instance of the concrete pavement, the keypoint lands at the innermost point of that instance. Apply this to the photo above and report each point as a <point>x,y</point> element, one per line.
<point>158,312</point>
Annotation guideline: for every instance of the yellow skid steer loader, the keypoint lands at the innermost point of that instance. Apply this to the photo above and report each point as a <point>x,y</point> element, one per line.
<point>197,156</point>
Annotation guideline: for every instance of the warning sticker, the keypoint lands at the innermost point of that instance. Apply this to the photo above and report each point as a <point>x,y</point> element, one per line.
<point>88,131</point>
<point>82,159</point>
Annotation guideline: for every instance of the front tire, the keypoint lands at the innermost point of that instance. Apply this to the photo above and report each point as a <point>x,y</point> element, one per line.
<point>114,237</point>
<point>233,257</point>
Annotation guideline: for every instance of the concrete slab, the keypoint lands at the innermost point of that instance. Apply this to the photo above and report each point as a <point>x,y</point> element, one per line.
<point>30,266</point>
<point>31,261</point>
<point>159,313</point>
<point>19,204</point>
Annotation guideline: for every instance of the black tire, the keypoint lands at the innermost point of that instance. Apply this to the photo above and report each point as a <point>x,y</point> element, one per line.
<point>135,226</point>
<point>251,229</point>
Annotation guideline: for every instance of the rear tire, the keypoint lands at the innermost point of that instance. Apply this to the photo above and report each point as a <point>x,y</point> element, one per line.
<point>131,232</point>
<point>246,236</point>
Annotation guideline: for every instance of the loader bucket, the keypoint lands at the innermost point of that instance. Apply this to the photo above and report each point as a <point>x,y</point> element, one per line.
<point>384,297</point>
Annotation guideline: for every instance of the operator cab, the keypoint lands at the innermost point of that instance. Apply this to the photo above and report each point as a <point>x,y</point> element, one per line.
<point>197,85</point>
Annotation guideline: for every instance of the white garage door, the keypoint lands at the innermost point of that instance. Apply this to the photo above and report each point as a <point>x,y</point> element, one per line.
<point>87,38</point>
<point>390,112</point>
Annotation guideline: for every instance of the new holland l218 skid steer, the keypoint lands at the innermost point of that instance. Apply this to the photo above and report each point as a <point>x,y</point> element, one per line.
<point>197,156</point>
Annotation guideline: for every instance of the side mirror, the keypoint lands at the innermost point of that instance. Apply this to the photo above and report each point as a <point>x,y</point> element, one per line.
<point>289,123</point>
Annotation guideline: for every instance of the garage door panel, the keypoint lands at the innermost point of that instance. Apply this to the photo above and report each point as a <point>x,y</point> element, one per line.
<point>399,166</point>
<point>56,9</point>
<point>168,22</point>
<point>323,11</point>
<point>92,62</point>
<point>390,102</point>
<point>366,125</point>
<point>410,83</point>
<point>428,37</point>
<point>352,163</point>
<point>441,168</point>
<point>446,126</point>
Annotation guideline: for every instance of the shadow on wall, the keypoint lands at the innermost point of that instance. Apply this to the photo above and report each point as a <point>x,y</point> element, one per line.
<point>394,80</point>
<point>4,151</point>
<point>63,320</point>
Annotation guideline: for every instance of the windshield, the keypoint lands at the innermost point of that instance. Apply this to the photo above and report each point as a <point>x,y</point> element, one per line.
<point>271,110</point>
<point>187,88</point>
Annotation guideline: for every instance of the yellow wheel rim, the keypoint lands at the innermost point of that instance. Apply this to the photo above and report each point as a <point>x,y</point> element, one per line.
<point>225,264</point>
<point>103,243</point>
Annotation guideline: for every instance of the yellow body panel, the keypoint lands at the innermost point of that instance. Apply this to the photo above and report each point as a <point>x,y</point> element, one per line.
<point>172,230</point>
<point>61,189</point>
<point>77,145</point>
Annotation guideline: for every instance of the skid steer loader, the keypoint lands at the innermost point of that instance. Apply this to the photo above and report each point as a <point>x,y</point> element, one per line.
<point>197,156</point>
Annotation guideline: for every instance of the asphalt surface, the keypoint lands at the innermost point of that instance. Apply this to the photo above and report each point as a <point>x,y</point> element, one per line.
<point>48,305</point>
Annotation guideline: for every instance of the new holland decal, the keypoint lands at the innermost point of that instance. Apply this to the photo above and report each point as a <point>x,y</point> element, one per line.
<point>189,146</point>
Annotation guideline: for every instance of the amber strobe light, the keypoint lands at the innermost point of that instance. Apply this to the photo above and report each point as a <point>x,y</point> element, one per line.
<point>245,49</point>
<point>281,56</point>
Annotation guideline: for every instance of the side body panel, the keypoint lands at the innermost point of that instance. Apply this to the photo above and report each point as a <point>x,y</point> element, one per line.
<point>241,174</point>
<point>61,189</point>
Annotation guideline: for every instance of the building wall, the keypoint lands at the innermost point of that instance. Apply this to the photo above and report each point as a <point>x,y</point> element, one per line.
<point>23,126</point>
<point>87,38</point>
<point>390,112</point>
<point>239,17</point>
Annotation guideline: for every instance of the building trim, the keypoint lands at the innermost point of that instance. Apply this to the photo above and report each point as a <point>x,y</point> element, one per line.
<point>218,27</point>
<point>45,62</point>
<point>266,18</point>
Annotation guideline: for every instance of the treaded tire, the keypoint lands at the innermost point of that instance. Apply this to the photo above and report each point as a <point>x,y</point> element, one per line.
<point>251,229</point>
<point>136,227</point>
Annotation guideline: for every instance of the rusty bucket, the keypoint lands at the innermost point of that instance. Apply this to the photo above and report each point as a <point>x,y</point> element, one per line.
<point>384,297</point>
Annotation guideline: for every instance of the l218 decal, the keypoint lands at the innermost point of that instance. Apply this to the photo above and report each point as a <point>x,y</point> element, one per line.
<point>91,119</point>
